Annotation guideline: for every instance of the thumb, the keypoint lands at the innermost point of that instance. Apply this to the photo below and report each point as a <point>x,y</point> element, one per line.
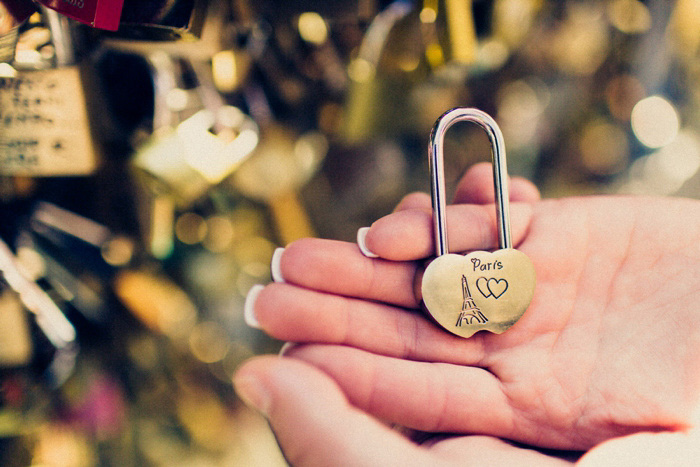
<point>313,421</point>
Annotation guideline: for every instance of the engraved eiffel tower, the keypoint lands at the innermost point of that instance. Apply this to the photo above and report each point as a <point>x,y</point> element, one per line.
<point>470,311</point>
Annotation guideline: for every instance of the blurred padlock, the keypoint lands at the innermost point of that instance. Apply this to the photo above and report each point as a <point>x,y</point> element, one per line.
<point>12,14</point>
<point>512,20</point>
<point>449,32</point>
<point>8,35</point>
<point>46,126</point>
<point>77,257</point>
<point>279,167</point>
<point>156,301</point>
<point>15,338</point>
<point>57,330</point>
<point>197,139</point>
<point>281,164</point>
<point>461,31</point>
<point>380,79</point>
<point>102,14</point>
<point>196,142</point>
<point>411,65</point>
<point>214,32</point>
<point>162,20</point>
<point>332,9</point>
<point>20,10</point>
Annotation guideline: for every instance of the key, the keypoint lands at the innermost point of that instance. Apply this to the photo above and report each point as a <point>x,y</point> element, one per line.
<point>482,290</point>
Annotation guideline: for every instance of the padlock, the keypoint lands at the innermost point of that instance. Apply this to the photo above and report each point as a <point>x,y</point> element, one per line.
<point>19,10</point>
<point>15,337</point>
<point>8,35</point>
<point>281,164</point>
<point>482,290</point>
<point>378,87</point>
<point>12,14</point>
<point>102,14</point>
<point>162,20</point>
<point>279,167</point>
<point>48,316</point>
<point>462,31</point>
<point>196,142</point>
<point>46,128</point>
<point>76,256</point>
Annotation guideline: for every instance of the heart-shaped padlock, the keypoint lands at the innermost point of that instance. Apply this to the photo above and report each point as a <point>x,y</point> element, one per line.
<point>482,290</point>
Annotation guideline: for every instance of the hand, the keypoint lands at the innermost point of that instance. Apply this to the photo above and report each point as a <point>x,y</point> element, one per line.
<point>315,425</point>
<point>609,346</point>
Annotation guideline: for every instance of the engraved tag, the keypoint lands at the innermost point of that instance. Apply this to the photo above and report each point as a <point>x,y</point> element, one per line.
<point>479,291</point>
<point>44,124</point>
<point>482,290</point>
<point>102,14</point>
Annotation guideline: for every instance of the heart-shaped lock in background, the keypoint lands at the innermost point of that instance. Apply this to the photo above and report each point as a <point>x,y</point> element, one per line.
<point>482,290</point>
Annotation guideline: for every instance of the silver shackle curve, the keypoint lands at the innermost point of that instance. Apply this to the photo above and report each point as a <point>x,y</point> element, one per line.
<point>437,173</point>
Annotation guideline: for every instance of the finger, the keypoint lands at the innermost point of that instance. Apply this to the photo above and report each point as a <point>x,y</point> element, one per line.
<point>476,187</point>
<point>435,397</point>
<point>417,200</point>
<point>295,314</point>
<point>313,421</point>
<point>408,235</point>
<point>338,267</point>
<point>487,450</point>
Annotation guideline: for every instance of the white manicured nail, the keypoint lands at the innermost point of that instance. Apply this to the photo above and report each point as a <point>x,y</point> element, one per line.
<point>249,307</point>
<point>276,265</point>
<point>361,235</point>
<point>286,348</point>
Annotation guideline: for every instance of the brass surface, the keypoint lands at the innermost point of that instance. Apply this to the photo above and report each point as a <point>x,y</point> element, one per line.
<point>499,288</point>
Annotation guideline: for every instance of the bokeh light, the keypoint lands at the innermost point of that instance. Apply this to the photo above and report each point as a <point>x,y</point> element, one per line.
<point>655,121</point>
<point>312,28</point>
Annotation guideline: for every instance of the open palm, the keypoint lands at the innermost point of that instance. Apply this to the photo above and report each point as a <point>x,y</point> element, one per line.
<point>609,346</point>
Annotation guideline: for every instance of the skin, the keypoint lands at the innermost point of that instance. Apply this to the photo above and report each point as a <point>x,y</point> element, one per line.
<point>609,349</point>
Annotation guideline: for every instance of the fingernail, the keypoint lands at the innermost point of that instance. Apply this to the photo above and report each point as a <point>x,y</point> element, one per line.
<point>361,236</point>
<point>286,348</point>
<point>276,265</point>
<point>251,391</point>
<point>249,306</point>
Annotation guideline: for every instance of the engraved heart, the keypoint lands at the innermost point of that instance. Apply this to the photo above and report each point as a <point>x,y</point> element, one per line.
<point>497,287</point>
<point>479,291</point>
<point>491,287</point>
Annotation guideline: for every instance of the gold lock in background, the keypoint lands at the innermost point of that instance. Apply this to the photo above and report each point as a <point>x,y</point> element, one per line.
<point>148,174</point>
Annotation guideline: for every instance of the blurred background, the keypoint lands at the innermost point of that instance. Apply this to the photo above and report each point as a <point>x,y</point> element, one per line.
<point>153,154</point>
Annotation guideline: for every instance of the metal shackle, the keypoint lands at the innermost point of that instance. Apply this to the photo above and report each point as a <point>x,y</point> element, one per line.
<point>437,173</point>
